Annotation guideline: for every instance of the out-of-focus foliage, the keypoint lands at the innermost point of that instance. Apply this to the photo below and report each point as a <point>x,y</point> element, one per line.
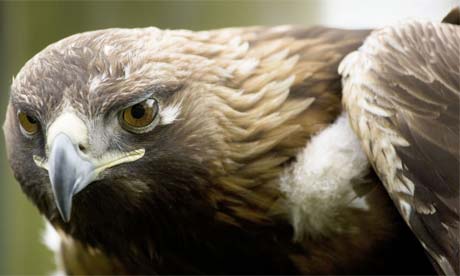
<point>26,27</point>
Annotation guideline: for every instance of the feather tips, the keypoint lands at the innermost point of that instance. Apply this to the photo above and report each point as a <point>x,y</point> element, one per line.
<point>401,90</point>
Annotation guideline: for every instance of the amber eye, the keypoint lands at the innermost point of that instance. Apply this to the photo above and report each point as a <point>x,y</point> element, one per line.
<point>29,124</point>
<point>140,117</point>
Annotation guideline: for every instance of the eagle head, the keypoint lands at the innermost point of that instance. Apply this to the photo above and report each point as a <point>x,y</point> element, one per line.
<point>109,128</point>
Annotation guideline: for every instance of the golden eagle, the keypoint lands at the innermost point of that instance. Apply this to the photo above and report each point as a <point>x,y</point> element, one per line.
<point>243,150</point>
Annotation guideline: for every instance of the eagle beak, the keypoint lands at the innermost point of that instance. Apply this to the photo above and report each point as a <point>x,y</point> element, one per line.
<point>69,173</point>
<point>70,170</point>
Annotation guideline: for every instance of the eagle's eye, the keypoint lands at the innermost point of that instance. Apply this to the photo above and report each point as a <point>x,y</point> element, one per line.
<point>140,117</point>
<point>29,124</point>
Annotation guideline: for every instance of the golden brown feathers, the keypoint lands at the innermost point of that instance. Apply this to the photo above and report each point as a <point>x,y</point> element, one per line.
<point>402,92</point>
<point>205,197</point>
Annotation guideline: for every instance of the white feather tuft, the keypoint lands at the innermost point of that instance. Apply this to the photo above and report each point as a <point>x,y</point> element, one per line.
<point>169,114</point>
<point>52,240</point>
<point>319,186</point>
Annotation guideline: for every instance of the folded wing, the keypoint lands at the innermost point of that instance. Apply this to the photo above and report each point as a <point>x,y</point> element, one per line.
<point>402,92</point>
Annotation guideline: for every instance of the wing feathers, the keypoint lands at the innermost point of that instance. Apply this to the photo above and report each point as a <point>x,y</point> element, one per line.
<point>408,76</point>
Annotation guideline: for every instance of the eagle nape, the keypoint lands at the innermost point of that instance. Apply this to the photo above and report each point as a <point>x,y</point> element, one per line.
<point>255,150</point>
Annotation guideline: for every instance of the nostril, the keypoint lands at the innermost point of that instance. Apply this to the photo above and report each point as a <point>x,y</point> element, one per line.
<point>81,147</point>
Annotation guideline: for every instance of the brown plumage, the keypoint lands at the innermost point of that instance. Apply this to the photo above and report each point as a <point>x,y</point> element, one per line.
<point>203,196</point>
<point>402,92</point>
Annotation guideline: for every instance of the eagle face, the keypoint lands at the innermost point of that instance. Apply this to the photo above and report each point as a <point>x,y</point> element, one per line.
<point>107,128</point>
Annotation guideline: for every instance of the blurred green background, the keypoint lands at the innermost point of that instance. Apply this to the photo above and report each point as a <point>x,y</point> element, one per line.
<point>26,27</point>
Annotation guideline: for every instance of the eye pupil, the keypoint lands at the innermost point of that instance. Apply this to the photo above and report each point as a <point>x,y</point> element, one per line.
<point>137,111</point>
<point>31,119</point>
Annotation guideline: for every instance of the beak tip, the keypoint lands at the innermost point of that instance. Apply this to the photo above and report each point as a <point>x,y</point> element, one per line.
<point>65,218</point>
<point>65,210</point>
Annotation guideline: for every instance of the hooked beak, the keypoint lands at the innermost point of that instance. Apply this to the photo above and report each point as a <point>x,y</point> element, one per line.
<point>70,171</point>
